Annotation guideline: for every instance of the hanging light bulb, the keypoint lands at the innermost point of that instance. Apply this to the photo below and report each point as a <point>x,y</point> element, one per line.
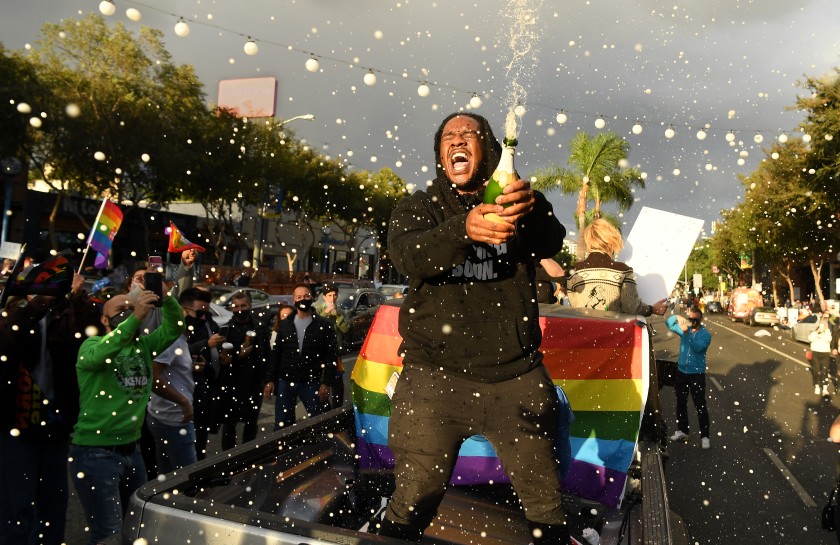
<point>251,47</point>
<point>600,123</point>
<point>669,132</point>
<point>133,14</point>
<point>758,139</point>
<point>312,64</point>
<point>107,8</point>
<point>182,29</point>
<point>783,138</point>
<point>370,78</point>
<point>637,128</point>
<point>701,134</point>
<point>730,136</point>
<point>423,90</point>
<point>475,101</point>
<point>562,117</point>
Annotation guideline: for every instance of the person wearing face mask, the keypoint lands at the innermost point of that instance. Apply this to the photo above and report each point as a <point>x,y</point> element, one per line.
<point>204,340</point>
<point>115,383</point>
<point>242,370</point>
<point>329,310</point>
<point>602,283</point>
<point>303,361</point>
<point>691,372</point>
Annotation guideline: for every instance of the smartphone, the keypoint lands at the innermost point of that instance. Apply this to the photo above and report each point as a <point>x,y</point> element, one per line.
<point>156,263</point>
<point>154,283</point>
<point>224,330</point>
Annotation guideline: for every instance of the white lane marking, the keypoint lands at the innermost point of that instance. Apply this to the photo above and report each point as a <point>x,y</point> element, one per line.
<point>798,488</point>
<point>791,358</point>
<point>716,383</point>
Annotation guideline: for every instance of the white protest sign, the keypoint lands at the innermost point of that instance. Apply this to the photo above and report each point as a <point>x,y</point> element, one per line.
<point>9,250</point>
<point>657,248</point>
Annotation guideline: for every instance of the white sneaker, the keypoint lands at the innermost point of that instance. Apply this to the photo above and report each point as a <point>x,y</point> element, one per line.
<point>679,436</point>
<point>825,390</point>
<point>704,442</point>
<point>817,389</point>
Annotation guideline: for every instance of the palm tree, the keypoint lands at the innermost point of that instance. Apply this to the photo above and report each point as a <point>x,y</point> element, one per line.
<point>597,175</point>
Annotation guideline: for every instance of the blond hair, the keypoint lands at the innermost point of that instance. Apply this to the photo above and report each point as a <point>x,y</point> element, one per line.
<point>601,236</point>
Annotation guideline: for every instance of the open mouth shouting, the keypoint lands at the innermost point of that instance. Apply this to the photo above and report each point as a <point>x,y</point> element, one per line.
<point>461,152</point>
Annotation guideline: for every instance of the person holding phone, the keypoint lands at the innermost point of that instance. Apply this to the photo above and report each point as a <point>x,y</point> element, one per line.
<point>115,372</point>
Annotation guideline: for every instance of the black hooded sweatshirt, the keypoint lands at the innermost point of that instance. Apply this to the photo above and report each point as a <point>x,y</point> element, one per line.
<point>472,307</point>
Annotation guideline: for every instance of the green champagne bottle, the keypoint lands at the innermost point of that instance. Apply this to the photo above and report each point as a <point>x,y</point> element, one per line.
<point>503,175</point>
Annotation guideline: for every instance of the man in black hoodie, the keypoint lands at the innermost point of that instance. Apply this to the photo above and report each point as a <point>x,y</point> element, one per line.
<point>471,336</point>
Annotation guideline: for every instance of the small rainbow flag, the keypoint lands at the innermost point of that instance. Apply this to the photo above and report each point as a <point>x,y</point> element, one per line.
<point>601,364</point>
<point>103,232</point>
<point>179,243</point>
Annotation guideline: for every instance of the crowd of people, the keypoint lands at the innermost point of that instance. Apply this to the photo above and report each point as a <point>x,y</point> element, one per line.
<point>112,393</point>
<point>132,388</point>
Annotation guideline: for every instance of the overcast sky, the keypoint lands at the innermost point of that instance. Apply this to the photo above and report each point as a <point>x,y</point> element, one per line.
<point>731,65</point>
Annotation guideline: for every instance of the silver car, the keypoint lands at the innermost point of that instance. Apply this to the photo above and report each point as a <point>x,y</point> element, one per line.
<point>804,327</point>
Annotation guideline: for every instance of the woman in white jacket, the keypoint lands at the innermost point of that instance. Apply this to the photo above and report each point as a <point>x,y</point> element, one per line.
<point>820,340</point>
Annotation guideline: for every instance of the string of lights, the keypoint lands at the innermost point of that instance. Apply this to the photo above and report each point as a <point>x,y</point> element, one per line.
<point>424,89</point>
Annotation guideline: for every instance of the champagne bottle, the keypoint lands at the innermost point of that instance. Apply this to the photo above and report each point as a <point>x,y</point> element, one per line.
<point>503,175</point>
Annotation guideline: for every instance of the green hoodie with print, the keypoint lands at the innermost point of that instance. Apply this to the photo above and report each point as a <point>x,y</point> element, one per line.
<point>115,378</point>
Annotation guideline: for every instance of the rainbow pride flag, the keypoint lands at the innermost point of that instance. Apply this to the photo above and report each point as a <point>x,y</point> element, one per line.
<point>600,362</point>
<point>179,243</point>
<point>104,230</point>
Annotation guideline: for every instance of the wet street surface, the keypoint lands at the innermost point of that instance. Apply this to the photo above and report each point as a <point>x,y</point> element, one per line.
<point>770,467</point>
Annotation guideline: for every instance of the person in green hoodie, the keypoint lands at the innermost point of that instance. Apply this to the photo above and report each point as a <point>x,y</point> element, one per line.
<point>471,336</point>
<point>114,373</point>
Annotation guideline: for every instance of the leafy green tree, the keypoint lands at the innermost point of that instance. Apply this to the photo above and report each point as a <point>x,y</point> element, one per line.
<point>597,175</point>
<point>122,115</point>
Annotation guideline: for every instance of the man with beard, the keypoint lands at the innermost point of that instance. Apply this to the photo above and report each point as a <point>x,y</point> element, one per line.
<point>205,341</point>
<point>303,361</point>
<point>243,369</point>
<point>471,336</point>
<point>114,373</point>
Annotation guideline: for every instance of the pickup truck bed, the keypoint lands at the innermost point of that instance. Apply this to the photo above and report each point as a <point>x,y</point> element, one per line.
<point>314,483</point>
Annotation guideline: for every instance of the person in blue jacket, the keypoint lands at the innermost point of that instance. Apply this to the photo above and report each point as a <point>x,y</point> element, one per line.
<point>691,372</point>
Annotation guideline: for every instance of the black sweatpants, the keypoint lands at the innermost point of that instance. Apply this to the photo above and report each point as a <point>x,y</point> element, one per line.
<point>695,384</point>
<point>434,412</point>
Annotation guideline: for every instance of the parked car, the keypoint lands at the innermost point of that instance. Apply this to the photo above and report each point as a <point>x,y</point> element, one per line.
<point>762,316</point>
<point>359,306</point>
<point>220,314</point>
<point>714,307</point>
<point>804,327</point>
<point>259,299</point>
<point>390,290</point>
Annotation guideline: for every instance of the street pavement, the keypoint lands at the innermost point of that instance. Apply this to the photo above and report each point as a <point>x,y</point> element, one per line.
<point>770,467</point>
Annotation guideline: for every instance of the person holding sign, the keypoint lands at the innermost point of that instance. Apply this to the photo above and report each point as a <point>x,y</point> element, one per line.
<point>602,283</point>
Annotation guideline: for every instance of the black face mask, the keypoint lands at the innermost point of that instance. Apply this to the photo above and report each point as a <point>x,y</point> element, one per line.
<point>695,323</point>
<point>304,304</point>
<point>242,315</point>
<point>193,323</point>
